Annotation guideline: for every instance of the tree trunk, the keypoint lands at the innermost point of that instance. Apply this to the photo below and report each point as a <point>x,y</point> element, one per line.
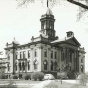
<point>78,4</point>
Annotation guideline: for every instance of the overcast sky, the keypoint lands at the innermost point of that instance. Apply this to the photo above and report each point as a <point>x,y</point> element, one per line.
<point>24,22</point>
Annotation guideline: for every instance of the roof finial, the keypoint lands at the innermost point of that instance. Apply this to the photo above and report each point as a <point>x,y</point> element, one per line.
<point>47,3</point>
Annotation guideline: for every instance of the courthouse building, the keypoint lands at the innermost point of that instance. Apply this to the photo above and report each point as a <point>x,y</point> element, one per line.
<point>45,52</point>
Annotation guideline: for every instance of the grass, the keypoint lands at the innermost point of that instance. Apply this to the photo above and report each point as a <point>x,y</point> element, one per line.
<point>57,84</point>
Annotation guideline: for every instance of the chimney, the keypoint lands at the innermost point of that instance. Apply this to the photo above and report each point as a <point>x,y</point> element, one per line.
<point>70,34</point>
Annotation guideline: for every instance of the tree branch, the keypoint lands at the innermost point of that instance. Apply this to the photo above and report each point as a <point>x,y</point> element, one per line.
<point>78,3</point>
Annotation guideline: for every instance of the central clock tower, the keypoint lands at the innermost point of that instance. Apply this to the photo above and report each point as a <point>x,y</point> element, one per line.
<point>47,25</point>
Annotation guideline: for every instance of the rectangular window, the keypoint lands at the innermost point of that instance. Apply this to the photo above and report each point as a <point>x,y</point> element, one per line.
<point>28,66</point>
<point>8,56</point>
<point>35,53</point>
<point>82,60</point>
<point>16,55</point>
<point>20,55</point>
<point>20,66</point>
<point>45,53</point>
<point>8,67</point>
<point>29,54</point>
<point>55,55</point>
<point>24,55</point>
<point>51,54</point>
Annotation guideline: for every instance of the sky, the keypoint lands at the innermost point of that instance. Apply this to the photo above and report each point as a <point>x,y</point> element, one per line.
<point>24,22</point>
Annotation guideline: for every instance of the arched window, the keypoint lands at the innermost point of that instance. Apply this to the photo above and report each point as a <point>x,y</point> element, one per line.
<point>51,65</point>
<point>35,64</point>
<point>45,64</point>
<point>44,25</point>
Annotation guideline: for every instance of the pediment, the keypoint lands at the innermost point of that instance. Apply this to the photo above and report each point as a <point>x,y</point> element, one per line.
<point>73,41</point>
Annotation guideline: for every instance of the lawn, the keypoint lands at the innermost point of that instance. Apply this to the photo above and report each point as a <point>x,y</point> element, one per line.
<point>17,83</point>
<point>57,84</point>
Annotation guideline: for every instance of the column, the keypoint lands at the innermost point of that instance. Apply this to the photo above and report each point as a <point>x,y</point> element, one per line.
<point>64,54</point>
<point>77,61</point>
<point>40,55</point>
<point>49,59</point>
<point>25,66</point>
<point>32,60</point>
<point>72,59</point>
<point>67,55</point>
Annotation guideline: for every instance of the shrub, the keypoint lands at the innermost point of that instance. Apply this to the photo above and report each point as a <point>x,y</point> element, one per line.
<point>38,75</point>
<point>71,75</point>
<point>82,79</point>
<point>14,77</point>
<point>35,76</point>
<point>27,76</point>
<point>3,76</point>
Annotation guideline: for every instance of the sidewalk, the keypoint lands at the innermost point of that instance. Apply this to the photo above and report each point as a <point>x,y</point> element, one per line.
<point>42,84</point>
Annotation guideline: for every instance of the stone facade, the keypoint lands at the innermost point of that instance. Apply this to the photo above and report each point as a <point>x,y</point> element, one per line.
<point>45,52</point>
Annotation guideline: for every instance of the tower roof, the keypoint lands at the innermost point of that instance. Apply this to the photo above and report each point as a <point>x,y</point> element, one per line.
<point>49,12</point>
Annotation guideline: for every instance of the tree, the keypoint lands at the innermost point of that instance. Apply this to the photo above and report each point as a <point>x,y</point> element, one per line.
<point>82,7</point>
<point>63,68</point>
<point>82,79</point>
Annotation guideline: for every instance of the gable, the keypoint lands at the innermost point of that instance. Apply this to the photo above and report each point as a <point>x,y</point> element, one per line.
<point>73,41</point>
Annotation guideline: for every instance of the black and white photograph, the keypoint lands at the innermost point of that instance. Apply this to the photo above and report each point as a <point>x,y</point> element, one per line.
<point>43,44</point>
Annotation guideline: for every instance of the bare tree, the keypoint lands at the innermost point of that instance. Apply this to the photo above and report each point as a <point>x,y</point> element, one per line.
<point>82,4</point>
